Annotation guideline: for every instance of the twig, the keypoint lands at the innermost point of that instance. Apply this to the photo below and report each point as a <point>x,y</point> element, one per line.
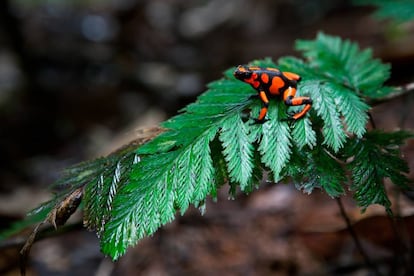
<point>36,235</point>
<point>357,242</point>
<point>399,91</point>
<point>402,247</point>
<point>24,252</point>
<point>45,233</point>
<point>371,120</point>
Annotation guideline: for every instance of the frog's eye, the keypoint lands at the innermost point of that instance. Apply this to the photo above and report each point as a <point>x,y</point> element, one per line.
<point>242,72</point>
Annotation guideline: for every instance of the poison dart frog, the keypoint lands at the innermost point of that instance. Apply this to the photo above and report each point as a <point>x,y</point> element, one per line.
<point>270,83</point>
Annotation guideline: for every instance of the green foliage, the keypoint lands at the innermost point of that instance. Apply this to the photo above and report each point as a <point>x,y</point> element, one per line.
<point>399,11</point>
<point>133,192</point>
<point>238,155</point>
<point>376,157</point>
<point>275,143</point>
<point>336,75</point>
<point>103,187</point>
<point>342,62</point>
<point>317,169</point>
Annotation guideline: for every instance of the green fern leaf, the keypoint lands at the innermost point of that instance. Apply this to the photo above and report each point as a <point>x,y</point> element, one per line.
<point>353,109</point>
<point>238,150</point>
<point>398,10</point>
<point>173,182</point>
<point>137,205</point>
<point>336,75</point>
<point>322,171</point>
<point>326,107</point>
<point>96,211</point>
<point>203,163</point>
<point>303,134</point>
<point>376,157</point>
<point>341,61</point>
<point>275,141</point>
<point>316,85</point>
<point>159,185</point>
<point>130,194</point>
<point>101,190</point>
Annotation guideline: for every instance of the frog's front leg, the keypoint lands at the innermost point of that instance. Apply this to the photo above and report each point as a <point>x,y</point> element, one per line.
<point>290,100</point>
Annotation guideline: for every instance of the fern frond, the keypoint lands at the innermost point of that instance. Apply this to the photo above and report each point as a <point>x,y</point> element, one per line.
<point>322,171</point>
<point>376,157</point>
<point>238,150</point>
<point>275,141</point>
<point>399,11</point>
<point>101,190</point>
<point>303,134</point>
<point>353,109</point>
<point>326,107</point>
<point>341,61</point>
<point>181,173</point>
<point>133,192</point>
<point>336,76</point>
<point>174,182</point>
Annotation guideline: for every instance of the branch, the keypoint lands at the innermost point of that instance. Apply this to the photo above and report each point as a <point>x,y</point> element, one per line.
<point>355,237</point>
<point>398,92</point>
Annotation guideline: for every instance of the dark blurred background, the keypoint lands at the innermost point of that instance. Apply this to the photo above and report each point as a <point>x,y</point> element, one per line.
<point>78,77</point>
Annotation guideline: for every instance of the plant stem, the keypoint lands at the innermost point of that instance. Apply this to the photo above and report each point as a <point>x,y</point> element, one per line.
<point>371,120</point>
<point>356,240</point>
<point>399,91</point>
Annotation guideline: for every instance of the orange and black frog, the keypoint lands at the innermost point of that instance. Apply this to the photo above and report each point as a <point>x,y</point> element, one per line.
<point>271,83</point>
